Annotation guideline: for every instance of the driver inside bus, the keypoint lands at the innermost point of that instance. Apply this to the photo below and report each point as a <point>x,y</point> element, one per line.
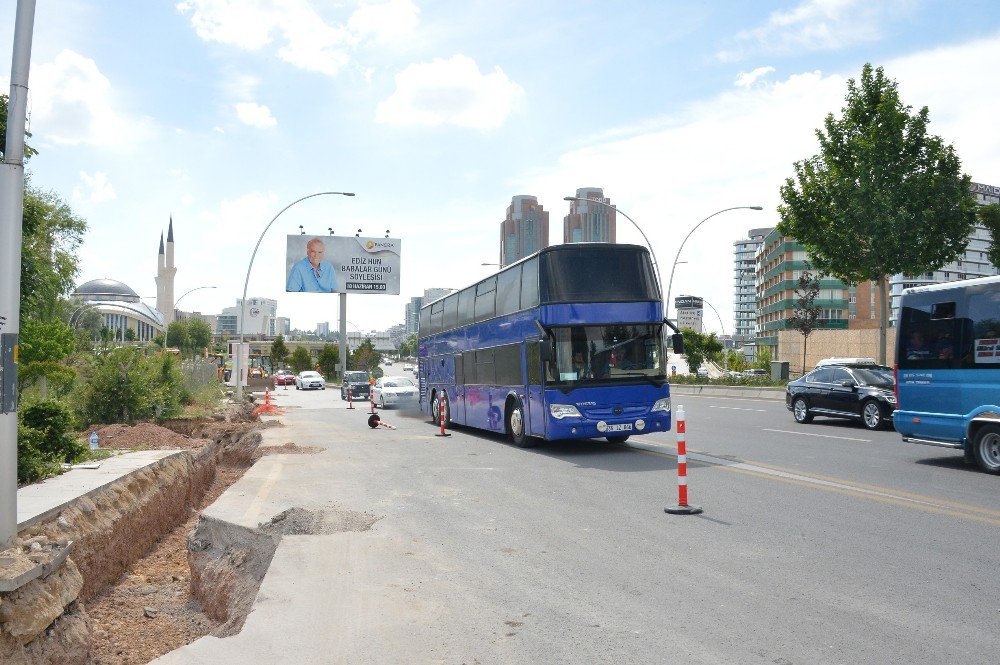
<point>579,366</point>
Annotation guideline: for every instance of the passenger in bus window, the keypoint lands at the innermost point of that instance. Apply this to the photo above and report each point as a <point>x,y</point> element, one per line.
<point>918,347</point>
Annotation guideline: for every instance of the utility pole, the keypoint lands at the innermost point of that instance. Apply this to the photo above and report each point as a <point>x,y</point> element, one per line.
<point>11,213</point>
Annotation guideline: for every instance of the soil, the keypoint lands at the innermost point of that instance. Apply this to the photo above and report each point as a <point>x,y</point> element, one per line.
<point>150,611</point>
<point>143,436</point>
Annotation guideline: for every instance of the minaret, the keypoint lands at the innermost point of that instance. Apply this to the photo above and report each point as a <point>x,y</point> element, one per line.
<point>168,275</point>
<point>161,264</point>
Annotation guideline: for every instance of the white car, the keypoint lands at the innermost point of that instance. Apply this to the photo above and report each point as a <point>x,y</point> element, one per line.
<point>395,391</point>
<point>309,381</point>
<point>408,368</point>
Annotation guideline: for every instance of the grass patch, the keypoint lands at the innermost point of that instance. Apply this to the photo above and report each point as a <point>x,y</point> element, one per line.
<point>203,401</point>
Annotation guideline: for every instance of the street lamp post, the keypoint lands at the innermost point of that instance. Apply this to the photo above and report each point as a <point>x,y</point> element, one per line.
<point>177,302</point>
<point>666,303</point>
<point>246,283</point>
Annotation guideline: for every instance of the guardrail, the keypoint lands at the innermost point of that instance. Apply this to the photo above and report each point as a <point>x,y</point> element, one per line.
<point>746,392</point>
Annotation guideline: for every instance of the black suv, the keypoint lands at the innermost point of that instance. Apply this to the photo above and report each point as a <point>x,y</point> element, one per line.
<point>856,391</point>
<point>357,384</point>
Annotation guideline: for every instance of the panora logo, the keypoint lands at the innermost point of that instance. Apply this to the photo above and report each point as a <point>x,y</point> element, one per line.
<point>370,245</point>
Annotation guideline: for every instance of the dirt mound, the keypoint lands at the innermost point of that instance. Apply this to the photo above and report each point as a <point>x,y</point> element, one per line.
<point>285,449</point>
<point>143,436</point>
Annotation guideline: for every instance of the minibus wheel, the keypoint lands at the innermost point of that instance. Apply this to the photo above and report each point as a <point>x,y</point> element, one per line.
<point>986,448</point>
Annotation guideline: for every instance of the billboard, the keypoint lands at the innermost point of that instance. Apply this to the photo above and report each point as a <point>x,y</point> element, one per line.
<point>335,264</point>
<point>689,302</point>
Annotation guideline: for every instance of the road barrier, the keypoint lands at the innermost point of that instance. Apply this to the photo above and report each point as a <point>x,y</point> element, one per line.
<point>441,400</point>
<point>267,407</point>
<point>375,422</point>
<point>682,507</point>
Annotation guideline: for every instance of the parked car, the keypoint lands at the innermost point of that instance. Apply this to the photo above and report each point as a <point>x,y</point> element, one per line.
<point>284,377</point>
<point>309,380</point>
<point>702,372</point>
<point>355,383</point>
<point>388,363</point>
<point>855,391</point>
<point>395,391</point>
<point>756,372</point>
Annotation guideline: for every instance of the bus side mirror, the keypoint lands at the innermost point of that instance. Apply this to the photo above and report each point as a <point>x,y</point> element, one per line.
<point>677,340</point>
<point>545,351</point>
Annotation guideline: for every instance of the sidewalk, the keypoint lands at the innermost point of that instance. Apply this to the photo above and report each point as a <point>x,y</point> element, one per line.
<point>37,502</point>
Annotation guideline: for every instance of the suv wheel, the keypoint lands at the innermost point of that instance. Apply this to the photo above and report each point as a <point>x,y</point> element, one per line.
<point>801,411</point>
<point>986,448</point>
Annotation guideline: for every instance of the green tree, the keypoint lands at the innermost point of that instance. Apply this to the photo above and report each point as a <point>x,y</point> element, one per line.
<point>28,150</point>
<point>301,360</point>
<point>365,357</point>
<point>279,351</point>
<point>763,358</point>
<point>51,237</point>
<point>989,216</point>
<point>408,348</point>
<point>805,312</point>
<point>698,346</point>
<point>121,387</point>
<point>882,197</point>
<point>44,345</point>
<point>328,359</point>
<point>199,336</point>
<point>177,335</point>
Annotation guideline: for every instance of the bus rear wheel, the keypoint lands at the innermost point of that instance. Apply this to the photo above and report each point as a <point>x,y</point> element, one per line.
<point>986,448</point>
<point>515,426</point>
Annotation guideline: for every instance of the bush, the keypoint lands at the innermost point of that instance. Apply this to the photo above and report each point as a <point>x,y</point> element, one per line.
<point>54,422</point>
<point>121,388</point>
<point>32,463</point>
<point>172,391</point>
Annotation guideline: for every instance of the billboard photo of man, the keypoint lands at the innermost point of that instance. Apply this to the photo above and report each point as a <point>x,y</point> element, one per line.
<point>312,273</point>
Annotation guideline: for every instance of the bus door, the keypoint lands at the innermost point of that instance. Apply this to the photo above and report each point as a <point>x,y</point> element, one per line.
<point>534,405</point>
<point>458,402</point>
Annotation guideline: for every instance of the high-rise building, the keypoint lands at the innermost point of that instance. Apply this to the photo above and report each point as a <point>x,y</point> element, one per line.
<point>745,283</point>
<point>413,315</point>
<point>165,272</point>
<point>323,329</point>
<point>524,231</point>
<point>260,317</point>
<point>430,295</point>
<point>590,222</point>
<point>397,334</point>
<point>973,263</point>
<point>282,325</point>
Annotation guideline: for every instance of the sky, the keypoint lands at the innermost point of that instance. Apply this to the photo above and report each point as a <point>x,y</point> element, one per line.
<point>219,113</point>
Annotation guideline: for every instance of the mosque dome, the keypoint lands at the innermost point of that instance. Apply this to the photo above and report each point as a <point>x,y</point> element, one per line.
<point>106,289</point>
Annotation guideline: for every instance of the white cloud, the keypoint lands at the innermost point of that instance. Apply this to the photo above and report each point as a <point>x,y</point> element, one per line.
<point>747,79</point>
<point>306,38</point>
<point>384,22</point>
<point>94,188</point>
<point>255,115</point>
<point>451,92</point>
<point>817,25</point>
<point>72,104</point>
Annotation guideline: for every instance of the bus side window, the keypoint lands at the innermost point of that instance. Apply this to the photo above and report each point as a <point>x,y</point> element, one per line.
<point>534,359</point>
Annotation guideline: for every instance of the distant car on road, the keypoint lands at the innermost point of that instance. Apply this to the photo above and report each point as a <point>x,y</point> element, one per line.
<point>284,377</point>
<point>409,368</point>
<point>388,363</point>
<point>309,381</point>
<point>858,392</point>
<point>756,372</point>
<point>356,384</point>
<point>702,372</point>
<point>395,391</point>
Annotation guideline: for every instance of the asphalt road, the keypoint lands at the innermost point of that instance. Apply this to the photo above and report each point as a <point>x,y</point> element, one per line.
<point>822,543</point>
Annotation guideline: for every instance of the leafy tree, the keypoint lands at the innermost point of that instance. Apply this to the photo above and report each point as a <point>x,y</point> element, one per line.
<point>121,387</point>
<point>159,340</point>
<point>763,359</point>
<point>882,197</point>
<point>279,351</point>
<point>365,357</point>
<point>177,335</point>
<point>301,360</point>
<point>408,348</point>
<point>698,346</point>
<point>328,359</point>
<point>43,347</point>
<point>129,335</point>
<point>171,391</point>
<point>989,216</point>
<point>199,336</point>
<point>805,313</point>
<point>51,237</point>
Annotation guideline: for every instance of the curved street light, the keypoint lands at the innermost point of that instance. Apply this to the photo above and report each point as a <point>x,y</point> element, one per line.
<point>666,303</point>
<point>197,288</point>
<point>246,283</point>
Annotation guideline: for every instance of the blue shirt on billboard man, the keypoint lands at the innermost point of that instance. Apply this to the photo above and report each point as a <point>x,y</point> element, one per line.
<point>312,273</point>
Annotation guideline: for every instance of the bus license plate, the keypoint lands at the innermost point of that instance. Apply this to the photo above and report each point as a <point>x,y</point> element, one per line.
<point>620,428</point>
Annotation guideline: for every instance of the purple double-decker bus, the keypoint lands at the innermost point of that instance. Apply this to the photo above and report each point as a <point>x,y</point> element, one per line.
<point>567,343</point>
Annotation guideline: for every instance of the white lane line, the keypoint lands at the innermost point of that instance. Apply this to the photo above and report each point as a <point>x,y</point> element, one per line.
<point>822,436</point>
<point>735,408</point>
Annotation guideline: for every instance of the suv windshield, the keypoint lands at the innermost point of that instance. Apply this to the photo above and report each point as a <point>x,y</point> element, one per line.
<point>356,377</point>
<point>586,354</point>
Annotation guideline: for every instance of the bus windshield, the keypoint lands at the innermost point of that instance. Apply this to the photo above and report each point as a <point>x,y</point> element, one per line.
<point>606,353</point>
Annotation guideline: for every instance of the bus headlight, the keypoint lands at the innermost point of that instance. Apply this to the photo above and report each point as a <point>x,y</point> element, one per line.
<point>661,404</point>
<point>560,411</point>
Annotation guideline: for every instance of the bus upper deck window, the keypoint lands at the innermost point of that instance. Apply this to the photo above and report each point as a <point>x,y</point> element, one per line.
<point>943,310</point>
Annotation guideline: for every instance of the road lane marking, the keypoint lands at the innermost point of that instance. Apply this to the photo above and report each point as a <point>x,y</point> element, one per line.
<point>822,436</point>
<point>872,492</point>
<point>735,408</point>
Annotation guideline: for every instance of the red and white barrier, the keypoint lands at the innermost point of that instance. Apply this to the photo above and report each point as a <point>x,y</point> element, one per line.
<point>682,507</point>
<point>441,400</point>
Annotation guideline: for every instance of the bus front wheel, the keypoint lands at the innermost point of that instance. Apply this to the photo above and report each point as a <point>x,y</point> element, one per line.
<point>622,438</point>
<point>515,425</point>
<point>986,448</point>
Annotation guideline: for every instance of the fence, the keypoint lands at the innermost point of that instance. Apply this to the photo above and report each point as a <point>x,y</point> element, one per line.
<point>199,373</point>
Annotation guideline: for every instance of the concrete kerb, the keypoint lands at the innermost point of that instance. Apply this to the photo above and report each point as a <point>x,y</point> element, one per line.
<point>744,392</point>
